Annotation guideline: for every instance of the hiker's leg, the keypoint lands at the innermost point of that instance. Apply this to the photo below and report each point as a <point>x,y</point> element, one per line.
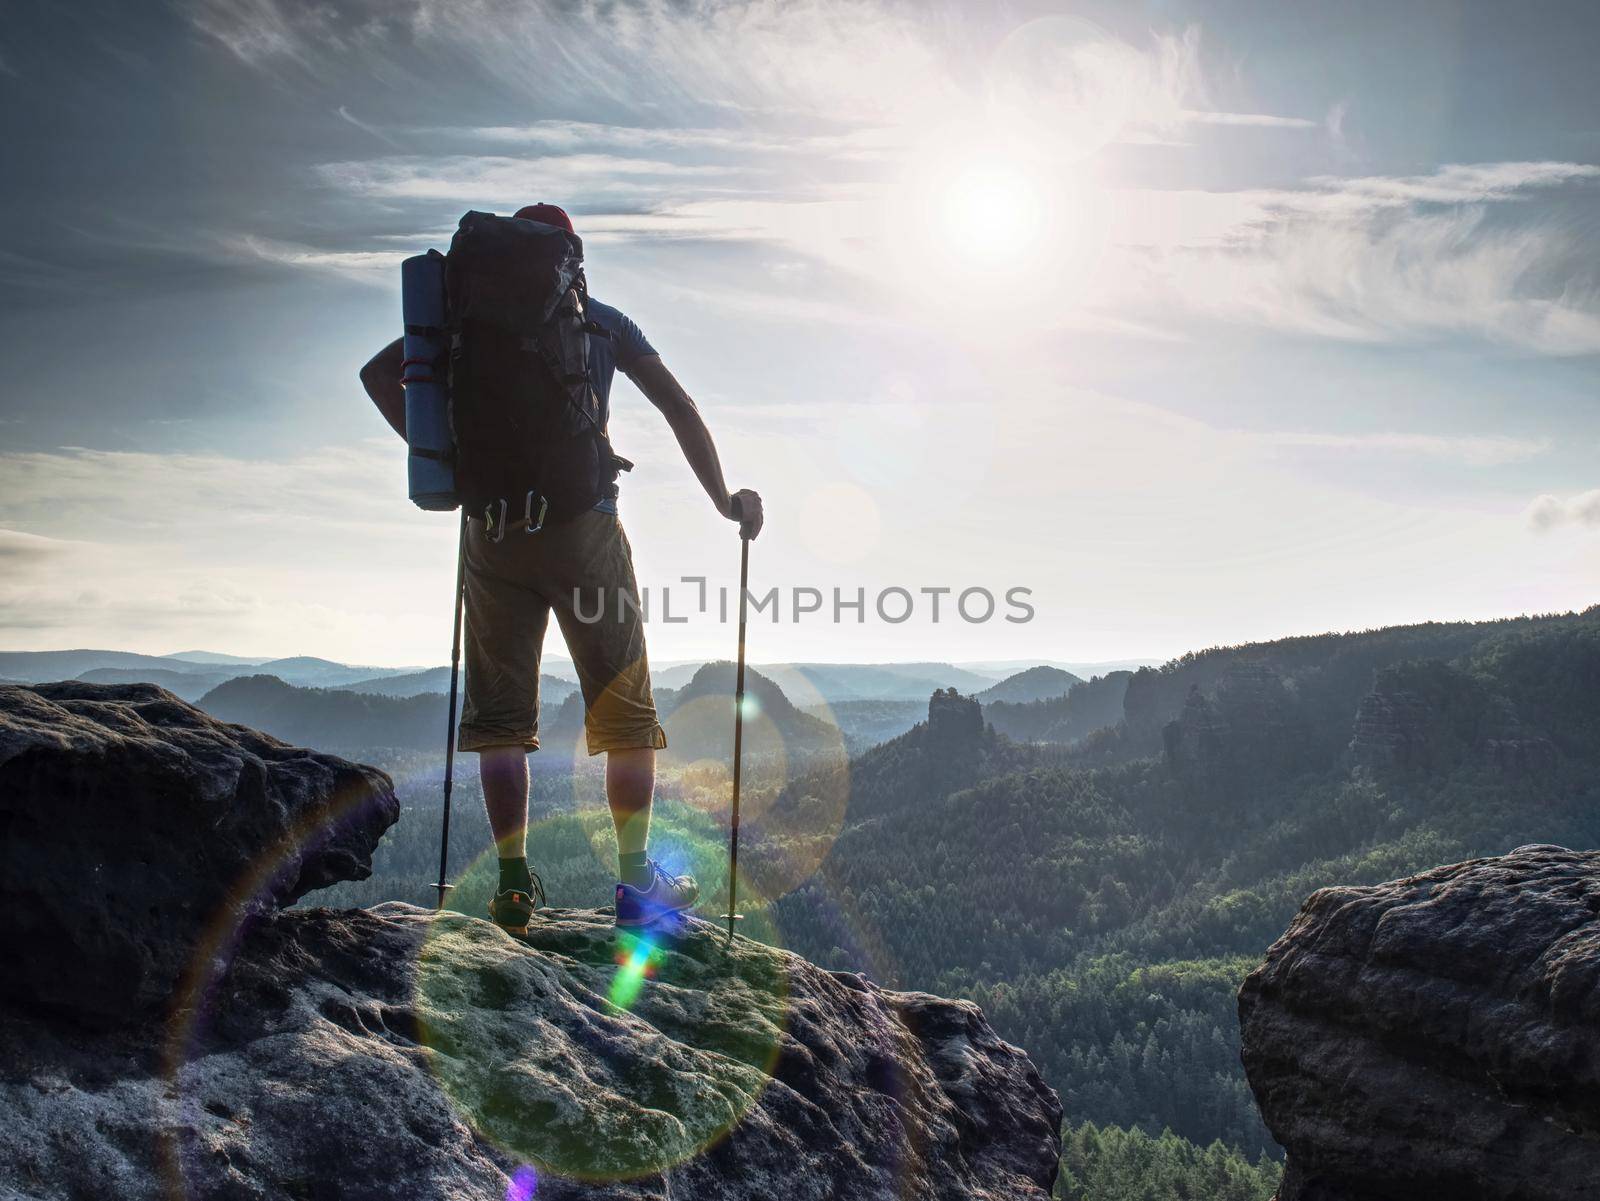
<point>597,604</point>
<point>630,787</point>
<point>506,621</point>
<point>504,773</point>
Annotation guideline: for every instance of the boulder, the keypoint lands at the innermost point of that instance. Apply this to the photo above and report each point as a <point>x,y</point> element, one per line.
<point>1437,1036</point>
<point>133,828</point>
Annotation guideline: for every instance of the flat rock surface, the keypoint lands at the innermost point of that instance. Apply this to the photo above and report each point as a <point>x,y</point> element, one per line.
<point>1437,1036</point>
<point>393,1053</point>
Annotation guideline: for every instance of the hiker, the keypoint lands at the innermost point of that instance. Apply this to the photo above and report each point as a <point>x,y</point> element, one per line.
<point>574,564</point>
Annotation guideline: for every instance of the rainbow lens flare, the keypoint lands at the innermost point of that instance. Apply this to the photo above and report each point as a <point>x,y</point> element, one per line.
<point>524,1183</point>
<point>637,959</point>
<point>596,1056</point>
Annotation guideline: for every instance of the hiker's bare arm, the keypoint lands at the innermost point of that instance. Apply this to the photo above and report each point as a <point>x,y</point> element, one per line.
<point>664,391</point>
<point>381,378</point>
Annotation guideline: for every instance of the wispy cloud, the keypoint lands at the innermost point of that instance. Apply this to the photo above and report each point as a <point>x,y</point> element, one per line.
<point>1548,512</point>
<point>268,558</point>
<point>1483,451</point>
<point>571,135</point>
<point>79,493</point>
<point>368,266</point>
<point>1263,120</point>
<point>1456,183</point>
<point>18,549</point>
<point>1452,253</point>
<point>501,179</point>
<point>857,63</point>
<point>266,34</point>
<point>346,115</point>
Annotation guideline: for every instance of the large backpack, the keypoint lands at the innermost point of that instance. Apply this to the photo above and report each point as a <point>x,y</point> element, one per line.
<point>525,418</point>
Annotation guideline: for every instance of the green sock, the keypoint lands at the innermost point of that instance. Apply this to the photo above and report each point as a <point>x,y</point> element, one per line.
<point>635,870</point>
<point>514,873</point>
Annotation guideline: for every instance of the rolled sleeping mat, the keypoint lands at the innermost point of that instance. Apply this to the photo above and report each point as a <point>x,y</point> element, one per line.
<point>430,467</point>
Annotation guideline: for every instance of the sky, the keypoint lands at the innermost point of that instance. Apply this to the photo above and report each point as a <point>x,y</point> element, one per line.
<point>1201,322</point>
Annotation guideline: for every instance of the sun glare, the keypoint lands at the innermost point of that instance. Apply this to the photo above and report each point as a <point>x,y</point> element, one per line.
<point>991,212</point>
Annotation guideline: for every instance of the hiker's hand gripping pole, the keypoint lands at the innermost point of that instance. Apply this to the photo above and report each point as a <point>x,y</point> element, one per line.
<point>738,732</point>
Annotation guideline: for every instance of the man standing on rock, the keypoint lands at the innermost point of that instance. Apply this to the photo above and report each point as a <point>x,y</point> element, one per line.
<point>579,564</point>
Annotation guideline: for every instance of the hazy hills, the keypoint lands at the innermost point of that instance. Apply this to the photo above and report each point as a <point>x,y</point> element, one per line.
<point>806,683</point>
<point>553,690</point>
<point>1088,706</point>
<point>39,666</point>
<point>329,718</point>
<point>305,670</point>
<point>386,712</point>
<point>699,717</point>
<point>1034,684</point>
<point>190,685</point>
<point>217,657</point>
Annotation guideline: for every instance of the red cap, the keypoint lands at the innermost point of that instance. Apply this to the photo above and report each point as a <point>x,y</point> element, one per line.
<point>549,214</point>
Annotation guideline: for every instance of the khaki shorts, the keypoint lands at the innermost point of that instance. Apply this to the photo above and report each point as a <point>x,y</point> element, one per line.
<point>578,568</point>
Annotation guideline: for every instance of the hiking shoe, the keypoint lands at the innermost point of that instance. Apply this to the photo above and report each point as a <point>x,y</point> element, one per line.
<point>667,896</point>
<point>512,909</point>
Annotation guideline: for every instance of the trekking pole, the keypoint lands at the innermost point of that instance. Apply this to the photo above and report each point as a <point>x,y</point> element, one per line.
<point>738,738</point>
<point>450,730</point>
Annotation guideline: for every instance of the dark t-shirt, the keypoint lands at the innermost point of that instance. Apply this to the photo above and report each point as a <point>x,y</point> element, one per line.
<point>626,346</point>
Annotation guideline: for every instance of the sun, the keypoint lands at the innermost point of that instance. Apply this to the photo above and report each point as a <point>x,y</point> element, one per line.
<point>973,218</point>
<point>991,212</point>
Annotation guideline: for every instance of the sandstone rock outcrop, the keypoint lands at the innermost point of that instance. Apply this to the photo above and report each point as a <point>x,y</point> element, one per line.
<point>1430,716</point>
<point>1437,1036</point>
<point>394,1052</point>
<point>1250,726</point>
<point>954,721</point>
<point>131,822</point>
<point>1391,730</point>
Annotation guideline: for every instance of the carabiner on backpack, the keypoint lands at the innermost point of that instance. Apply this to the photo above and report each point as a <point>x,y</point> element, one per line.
<point>494,524</point>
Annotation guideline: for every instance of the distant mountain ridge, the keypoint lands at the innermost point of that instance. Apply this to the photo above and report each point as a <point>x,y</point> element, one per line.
<point>553,690</point>
<point>306,670</point>
<point>808,683</point>
<point>1090,705</point>
<point>698,717</point>
<point>40,666</point>
<point>328,717</point>
<point>1035,684</point>
<point>216,657</point>
<point>187,685</point>
<point>804,683</point>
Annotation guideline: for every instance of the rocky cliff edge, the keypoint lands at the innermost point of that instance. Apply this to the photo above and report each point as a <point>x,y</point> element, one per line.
<point>168,1028</point>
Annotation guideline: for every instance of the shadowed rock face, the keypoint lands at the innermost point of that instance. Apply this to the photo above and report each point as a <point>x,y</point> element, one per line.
<point>955,722</point>
<point>1250,726</point>
<point>130,822</point>
<point>1391,730</point>
<point>1437,1036</point>
<point>393,1052</point>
